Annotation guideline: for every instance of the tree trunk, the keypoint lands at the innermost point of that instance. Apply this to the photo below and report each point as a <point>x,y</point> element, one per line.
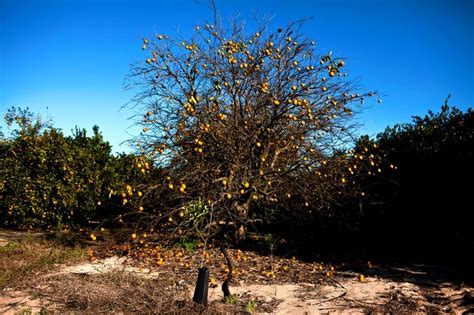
<point>225,285</point>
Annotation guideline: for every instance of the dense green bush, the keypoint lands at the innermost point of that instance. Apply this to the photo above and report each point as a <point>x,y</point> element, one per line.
<point>416,199</point>
<point>426,202</point>
<point>48,180</point>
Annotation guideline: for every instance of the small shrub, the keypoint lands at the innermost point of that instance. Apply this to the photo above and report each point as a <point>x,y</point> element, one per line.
<point>250,306</point>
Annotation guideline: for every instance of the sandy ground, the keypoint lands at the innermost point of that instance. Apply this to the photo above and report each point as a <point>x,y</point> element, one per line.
<point>348,295</point>
<point>351,297</point>
<point>18,302</point>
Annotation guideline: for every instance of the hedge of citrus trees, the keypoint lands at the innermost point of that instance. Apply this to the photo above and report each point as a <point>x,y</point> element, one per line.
<point>49,180</point>
<point>425,204</point>
<point>413,184</point>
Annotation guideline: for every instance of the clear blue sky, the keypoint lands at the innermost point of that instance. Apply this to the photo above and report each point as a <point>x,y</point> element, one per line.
<point>72,56</point>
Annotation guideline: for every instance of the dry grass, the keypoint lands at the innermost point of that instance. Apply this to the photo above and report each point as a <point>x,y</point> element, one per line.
<point>23,258</point>
<point>28,261</point>
<point>120,291</point>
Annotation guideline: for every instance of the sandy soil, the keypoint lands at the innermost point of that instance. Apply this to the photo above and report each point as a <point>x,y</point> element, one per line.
<point>348,296</point>
<point>379,292</point>
<point>12,302</point>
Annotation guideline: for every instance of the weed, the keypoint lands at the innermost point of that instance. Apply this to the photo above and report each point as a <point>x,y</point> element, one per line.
<point>187,243</point>
<point>231,299</point>
<point>250,306</point>
<point>10,247</point>
<point>30,237</point>
<point>25,311</point>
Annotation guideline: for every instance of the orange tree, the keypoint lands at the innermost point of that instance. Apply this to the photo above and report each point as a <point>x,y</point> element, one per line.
<point>432,158</point>
<point>245,126</point>
<point>48,180</point>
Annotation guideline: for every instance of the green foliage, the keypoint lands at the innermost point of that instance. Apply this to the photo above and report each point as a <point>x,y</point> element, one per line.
<point>48,180</point>
<point>196,210</point>
<point>11,246</point>
<point>429,192</point>
<point>250,306</point>
<point>231,299</point>
<point>432,154</point>
<point>187,243</point>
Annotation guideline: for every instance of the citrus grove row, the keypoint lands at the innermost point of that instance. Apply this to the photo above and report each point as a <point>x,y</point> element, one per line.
<point>238,129</point>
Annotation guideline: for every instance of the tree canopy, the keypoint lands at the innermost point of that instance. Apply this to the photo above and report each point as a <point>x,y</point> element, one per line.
<point>246,125</point>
